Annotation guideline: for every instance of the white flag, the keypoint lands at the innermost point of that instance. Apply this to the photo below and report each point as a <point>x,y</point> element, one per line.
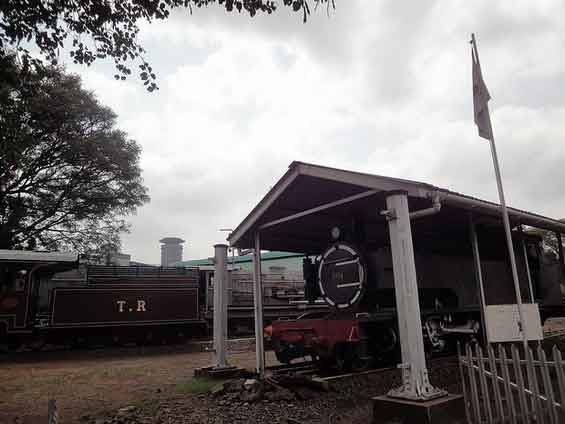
<point>481,97</point>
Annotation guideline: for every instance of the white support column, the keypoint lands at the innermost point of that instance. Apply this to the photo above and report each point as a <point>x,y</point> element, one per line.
<point>258,307</point>
<point>479,276</point>
<point>415,382</point>
<point>220,304</point>
<point>527,263</point>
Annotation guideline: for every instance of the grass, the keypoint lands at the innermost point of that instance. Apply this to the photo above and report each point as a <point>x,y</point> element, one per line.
<point>195,385</point>
<point>120,372</point>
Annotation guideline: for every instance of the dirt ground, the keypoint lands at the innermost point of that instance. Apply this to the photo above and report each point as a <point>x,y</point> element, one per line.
<point>89,382</point>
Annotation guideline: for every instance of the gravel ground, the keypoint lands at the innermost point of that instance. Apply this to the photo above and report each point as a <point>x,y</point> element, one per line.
<point>348,401</point>
<point>155,385</point>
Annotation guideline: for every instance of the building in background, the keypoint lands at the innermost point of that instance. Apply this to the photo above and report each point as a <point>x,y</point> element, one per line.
<point>271,262</point>
<point>171,250</point>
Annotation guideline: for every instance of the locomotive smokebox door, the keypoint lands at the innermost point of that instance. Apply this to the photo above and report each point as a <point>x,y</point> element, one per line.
<point>341,276</point>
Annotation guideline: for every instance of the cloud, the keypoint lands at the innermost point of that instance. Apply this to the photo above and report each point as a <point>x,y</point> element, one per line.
<point>377,87</point>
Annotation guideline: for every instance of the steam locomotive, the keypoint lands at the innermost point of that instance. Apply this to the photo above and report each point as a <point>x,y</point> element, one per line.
<point>49,298</point>
<point>358,285</point>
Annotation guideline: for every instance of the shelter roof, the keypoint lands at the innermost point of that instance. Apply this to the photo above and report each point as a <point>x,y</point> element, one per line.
<point>298,212</point>
<point>7,255</point>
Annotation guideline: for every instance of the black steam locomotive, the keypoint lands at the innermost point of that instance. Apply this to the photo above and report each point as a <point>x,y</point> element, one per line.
<point>358,285</point>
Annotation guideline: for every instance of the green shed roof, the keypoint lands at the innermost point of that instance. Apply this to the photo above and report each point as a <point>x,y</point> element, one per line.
<point>265,256</point>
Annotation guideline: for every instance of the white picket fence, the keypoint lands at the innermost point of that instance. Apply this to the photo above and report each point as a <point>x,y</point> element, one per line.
<point>515,387</point>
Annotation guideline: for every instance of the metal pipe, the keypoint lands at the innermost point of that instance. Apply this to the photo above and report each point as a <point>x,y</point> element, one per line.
<point>524,217</point>
<point>258,307</point>
<point>436,208</point>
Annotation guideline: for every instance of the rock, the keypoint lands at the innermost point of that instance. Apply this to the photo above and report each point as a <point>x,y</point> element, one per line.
<point>278,395</point>
<point>252,396</point>
<point>250,384</point>
<point>126,410</point>
<point>218,389</point>
<point>234,386</point>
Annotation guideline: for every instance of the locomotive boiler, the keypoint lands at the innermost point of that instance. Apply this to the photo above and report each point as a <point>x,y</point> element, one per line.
<point>362,328</point>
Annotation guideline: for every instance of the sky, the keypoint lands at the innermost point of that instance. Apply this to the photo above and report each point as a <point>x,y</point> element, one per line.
<point>382,87</point>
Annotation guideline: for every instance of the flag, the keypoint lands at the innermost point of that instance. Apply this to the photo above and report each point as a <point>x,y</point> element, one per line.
<point>481,97</point>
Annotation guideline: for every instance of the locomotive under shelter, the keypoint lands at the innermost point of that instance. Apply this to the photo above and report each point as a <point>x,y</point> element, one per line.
<point>369,235</point>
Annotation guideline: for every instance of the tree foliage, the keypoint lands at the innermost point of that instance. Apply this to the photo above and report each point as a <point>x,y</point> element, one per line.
<point>67,174</point>
<point>549,240</point>
<point>100,29</point>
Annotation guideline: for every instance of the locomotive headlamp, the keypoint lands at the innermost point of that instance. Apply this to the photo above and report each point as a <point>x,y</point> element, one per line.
<point>336,232</point>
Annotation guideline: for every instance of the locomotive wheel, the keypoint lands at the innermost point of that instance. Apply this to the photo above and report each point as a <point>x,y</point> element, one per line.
<point>351,357</point>
<point>343,357</point>
<point>323,363</point>
<point>38,344</point>
<point>360,363</point>
<point>283,357</point>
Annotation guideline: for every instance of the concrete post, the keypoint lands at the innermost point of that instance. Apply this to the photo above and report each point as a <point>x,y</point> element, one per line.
<point>220,304</point>
<point>415,382</point>
<point>258,307</point>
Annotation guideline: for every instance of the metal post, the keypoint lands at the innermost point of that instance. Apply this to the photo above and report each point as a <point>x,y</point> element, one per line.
<point>510,245</point>
<point>525,253</point>
<point>478,275</point>
<point>415,381</point>
<point>258,307</point>
<point>560,250</point>
<point>220,304</point>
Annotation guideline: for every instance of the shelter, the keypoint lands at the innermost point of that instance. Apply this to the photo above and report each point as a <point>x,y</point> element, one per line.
<point>310,202</point>
<point>297,214</point>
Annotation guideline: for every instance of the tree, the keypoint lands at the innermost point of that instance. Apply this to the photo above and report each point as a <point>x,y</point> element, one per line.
<point>549,239</point>
<point>68,176</point>
<point>103,28</point>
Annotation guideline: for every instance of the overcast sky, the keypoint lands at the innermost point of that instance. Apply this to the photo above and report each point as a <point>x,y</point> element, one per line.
<point>377,86</point>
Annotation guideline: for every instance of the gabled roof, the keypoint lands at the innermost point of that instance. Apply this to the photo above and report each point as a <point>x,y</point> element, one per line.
<point>307,186</point>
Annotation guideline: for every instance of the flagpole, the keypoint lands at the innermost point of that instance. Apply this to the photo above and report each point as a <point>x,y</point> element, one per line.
<point>506,221</point>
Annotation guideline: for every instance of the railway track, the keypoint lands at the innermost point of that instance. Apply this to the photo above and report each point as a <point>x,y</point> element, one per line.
<point>303,368</point>
<point>309,368</point>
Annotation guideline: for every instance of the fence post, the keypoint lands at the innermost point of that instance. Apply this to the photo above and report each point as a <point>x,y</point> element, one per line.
<point>483,381</point>
<point>548,388</point>
<point>473,384</point>
<point>516,363</point>
<point>496,384</point>
<point>560,375</point>
<point>508,389</point>
<point>463,383</point>
<point>534,387</point>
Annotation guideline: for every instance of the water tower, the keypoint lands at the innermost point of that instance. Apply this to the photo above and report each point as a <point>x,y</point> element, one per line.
<point>171,250</point>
